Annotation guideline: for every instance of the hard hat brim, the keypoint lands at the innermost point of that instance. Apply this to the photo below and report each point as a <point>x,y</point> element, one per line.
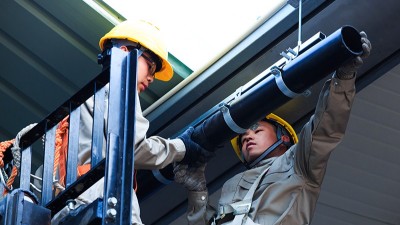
<point>166,72</point>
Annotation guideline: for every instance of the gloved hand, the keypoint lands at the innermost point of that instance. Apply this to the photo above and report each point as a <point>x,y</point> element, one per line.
<point>192,178</point>
<point>348,70</point>
<point>195,154</point>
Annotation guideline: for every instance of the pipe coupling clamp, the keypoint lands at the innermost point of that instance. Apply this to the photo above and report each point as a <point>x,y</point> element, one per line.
<point>282,86</point>
<point>229,121</point>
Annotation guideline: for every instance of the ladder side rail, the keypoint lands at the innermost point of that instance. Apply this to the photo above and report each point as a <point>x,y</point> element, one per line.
<point>99,129</point>
<point>112,177</point>
<point>48,166</point>
<point>118,184</point>
<point>26,158</point>
<point>127,186</point>
<point>73,147</point>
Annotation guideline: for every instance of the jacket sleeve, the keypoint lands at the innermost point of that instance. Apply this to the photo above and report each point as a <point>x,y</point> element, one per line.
<point>199,211</point>
<point>150,153</point>
<point>325,130</point>
<point>154,152</point>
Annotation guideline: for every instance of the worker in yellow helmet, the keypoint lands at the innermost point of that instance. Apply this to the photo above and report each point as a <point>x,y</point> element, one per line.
<point>150,152</point>
<point>284,174</point>
<point>285,137</point>
<point>145,37</point>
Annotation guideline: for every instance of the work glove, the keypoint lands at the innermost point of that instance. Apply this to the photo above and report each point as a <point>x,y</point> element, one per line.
<point>349,69</point>
<point>192,178</point>
<point>195,154</point>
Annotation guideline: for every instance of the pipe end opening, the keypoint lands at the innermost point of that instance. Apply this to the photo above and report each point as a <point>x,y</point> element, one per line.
<point>352,39</point>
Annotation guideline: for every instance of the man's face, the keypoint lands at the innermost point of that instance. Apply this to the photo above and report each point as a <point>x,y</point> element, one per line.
<point>145,71</point>
<point>257,139</point>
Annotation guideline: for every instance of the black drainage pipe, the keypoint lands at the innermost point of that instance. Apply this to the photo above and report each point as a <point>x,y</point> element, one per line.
<point>278,86</point>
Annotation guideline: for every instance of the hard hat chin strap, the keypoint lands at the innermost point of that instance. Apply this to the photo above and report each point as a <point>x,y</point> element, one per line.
<point>104,57</point>
<point>263,155</point>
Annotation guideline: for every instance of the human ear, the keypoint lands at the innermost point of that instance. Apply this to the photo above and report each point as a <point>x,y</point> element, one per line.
<point>285,138</point>
<point>124,48</point>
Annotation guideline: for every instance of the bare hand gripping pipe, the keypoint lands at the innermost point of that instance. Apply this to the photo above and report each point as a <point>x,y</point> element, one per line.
<point>281,82</point>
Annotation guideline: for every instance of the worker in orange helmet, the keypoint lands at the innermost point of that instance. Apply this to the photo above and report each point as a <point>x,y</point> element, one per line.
<point>284,173</point>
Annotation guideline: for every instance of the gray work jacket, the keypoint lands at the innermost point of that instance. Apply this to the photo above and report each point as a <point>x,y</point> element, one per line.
<point>150,153</point>
<point>289,191</point>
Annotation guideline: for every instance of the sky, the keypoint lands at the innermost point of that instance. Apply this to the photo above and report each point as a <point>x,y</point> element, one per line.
<point>199,32</point>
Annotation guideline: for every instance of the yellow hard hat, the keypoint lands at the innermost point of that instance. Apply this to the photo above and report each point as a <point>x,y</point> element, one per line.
<point>148,36</point>
<point>273,118</point>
